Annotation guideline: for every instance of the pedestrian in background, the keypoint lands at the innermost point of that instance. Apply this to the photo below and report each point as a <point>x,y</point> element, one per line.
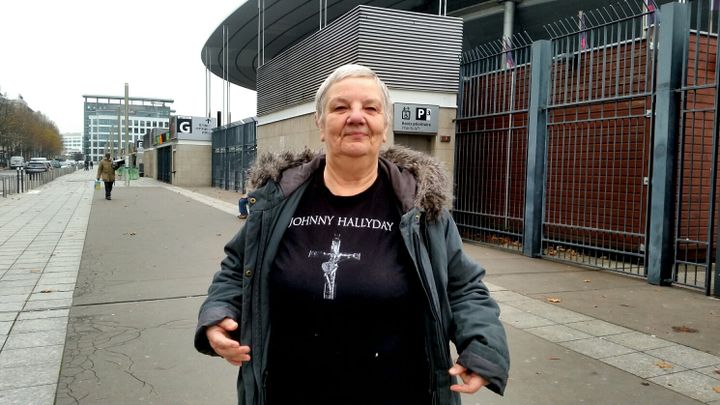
<point>91,164</point>
<point>86,165</point>
<point>242,206</point>
<point>106,172</point>
<point>349,281</point>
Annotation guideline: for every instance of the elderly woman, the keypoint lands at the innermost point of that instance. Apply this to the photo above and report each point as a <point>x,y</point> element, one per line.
<point>348,281</point>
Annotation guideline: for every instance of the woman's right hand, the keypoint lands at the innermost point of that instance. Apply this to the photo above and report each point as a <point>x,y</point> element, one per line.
<point>228,348</point>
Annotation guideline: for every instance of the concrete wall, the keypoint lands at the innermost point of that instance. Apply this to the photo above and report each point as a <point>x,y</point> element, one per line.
<point>150,163</point>
<point>294,133</point>
<point>192,164</point>
<point>300,132</point>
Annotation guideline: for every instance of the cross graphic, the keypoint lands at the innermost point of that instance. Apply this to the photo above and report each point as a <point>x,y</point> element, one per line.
<point>330,267</point>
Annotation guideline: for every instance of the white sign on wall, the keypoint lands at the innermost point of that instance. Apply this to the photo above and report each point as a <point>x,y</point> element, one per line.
<point>415,118</point>
<point>195,128</point>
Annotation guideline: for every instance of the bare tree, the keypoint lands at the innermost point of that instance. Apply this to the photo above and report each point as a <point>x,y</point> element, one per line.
<point>26,132</point>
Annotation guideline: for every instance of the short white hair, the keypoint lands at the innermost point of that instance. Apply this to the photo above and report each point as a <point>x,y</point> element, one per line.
<point>345,72</point>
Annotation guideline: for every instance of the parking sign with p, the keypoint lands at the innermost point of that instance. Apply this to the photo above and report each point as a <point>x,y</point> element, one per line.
<point>423,114</point>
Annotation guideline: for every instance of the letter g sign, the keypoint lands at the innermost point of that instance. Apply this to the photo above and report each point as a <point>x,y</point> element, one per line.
<point>184,125</point>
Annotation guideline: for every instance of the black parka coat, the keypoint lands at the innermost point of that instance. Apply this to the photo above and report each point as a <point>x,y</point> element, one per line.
<point>460,307</point>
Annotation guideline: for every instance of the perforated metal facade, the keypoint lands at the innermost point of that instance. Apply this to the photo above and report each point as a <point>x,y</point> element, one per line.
<point>409,51</point>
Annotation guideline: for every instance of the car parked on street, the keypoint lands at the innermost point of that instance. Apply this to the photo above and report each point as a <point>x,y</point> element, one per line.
<point>36,166</point>
<point>46,162</point>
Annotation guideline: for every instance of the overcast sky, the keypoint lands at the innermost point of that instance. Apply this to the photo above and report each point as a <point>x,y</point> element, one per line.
<point>53,52</point>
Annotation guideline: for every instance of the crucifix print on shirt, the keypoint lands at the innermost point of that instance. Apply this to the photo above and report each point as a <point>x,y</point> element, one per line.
<point>330,267</point>
<point>338,250</point>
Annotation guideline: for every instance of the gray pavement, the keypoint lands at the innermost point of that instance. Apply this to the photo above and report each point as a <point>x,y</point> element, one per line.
<point>98,301</point>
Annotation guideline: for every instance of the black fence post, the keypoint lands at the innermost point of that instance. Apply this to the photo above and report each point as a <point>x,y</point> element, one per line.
<point>536,147</point>
<point>715,291</point>
<point>673,31</point>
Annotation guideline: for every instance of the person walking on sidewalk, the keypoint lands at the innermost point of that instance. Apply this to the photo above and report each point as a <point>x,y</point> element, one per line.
<point>348,281</point>
<point>106,172</point>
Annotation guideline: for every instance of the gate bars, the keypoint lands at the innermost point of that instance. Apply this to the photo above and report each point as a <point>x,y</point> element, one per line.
<point>696,191</point>
<point>599,121</point>
<point>619,176</point>
<point>234,148</point>
<point>491,141</point>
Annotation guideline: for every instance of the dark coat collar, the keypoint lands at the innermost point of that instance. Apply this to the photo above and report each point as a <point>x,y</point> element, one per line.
<point>418,179</point>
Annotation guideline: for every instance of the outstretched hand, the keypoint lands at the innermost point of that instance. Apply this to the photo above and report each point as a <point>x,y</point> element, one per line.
<point>225,346</point>
<point>471,381</point>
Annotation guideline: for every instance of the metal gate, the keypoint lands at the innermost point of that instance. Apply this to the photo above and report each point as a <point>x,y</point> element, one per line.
<point>234,149</point>
<point>612,114</point>
<point>164,163</point>
<point>697,164</point>
<point>599,124</point>
<point>491,141</point>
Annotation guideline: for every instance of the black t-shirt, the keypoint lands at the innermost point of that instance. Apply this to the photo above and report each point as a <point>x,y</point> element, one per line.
<point>345,307</point>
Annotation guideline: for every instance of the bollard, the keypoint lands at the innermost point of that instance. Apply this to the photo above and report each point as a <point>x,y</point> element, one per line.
<point>19,178</point>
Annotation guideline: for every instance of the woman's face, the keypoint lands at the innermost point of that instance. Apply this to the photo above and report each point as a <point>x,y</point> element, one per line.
<point>353,123</point>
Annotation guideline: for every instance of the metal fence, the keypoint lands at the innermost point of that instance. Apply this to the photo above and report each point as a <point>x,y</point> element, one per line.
<point>21,182</point>
<point>599,121</point>
<point>491,140</point>
<point>697,166</point>
<point>562,144</point>
<point>234,148</point>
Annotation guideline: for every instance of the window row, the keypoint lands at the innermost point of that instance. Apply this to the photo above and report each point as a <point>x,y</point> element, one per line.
<point>136,123</point>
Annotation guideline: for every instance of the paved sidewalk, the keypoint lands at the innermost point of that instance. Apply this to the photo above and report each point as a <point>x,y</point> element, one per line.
<point>125,278</point>
<point>42,233</point>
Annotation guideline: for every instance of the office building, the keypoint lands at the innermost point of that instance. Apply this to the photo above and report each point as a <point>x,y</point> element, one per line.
<point>72,143</point>
<point>103,132</point>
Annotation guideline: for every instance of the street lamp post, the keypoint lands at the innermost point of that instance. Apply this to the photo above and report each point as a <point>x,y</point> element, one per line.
<point>127,137</point>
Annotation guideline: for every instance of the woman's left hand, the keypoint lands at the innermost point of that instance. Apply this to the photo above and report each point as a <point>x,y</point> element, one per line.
<point>471,381</point>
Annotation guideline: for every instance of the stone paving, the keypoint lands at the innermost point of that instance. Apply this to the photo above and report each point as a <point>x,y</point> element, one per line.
<point>42,234</point>
<point>679,368</point>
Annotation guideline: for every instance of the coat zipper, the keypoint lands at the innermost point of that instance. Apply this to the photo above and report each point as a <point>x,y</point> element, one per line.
<point>417,247</point>
<point>438,332</point>
<point>263,392</point>
<point>258,317</point>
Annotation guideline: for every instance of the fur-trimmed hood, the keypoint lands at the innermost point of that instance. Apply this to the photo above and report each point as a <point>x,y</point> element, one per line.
<point>419,180</point>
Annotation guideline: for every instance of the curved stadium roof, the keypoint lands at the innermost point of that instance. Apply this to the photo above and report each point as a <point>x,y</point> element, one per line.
<point>286,23</point>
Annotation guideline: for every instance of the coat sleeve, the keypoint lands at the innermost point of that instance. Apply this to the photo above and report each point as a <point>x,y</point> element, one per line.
<point>475,328</point>
<point>224,298</point>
